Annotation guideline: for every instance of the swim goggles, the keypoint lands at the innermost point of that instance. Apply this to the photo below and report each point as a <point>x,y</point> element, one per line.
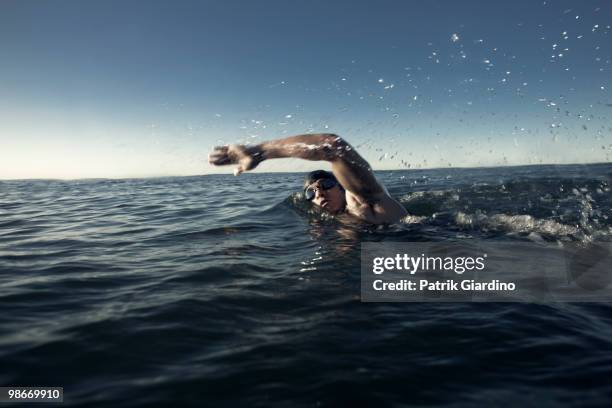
<point>324,184</point>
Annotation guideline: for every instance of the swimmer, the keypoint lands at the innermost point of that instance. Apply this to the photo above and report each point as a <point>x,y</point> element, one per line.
<point>352,188</point>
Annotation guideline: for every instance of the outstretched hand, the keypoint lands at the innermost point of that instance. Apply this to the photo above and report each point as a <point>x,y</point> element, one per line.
<point>246,158</point>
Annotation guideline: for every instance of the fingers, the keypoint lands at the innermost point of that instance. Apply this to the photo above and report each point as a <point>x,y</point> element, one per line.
<point>219,159</point>
<point>238,171</point>
<point>219,156</point>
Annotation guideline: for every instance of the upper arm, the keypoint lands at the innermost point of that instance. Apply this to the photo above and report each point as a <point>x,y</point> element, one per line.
<point>366,196</point>
<point>353,171</point>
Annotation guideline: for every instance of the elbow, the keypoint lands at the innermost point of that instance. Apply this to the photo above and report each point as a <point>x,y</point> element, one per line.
<point>333,139</point>
<point>335,146</point>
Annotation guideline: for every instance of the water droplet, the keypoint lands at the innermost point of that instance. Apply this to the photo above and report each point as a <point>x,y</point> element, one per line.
<point>454,37</point>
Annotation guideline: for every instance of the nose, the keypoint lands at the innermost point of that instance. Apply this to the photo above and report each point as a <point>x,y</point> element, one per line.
<point>319,192</point>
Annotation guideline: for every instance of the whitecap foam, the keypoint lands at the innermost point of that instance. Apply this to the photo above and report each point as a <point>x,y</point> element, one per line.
<point>417,195</point>
<point>522,223</point>
<point>413,219</point>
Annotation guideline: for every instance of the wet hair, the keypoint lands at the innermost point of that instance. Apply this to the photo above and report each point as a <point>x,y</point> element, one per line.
<point>319,175</point>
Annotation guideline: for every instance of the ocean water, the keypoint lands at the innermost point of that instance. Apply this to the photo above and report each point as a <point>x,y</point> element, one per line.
<point>230,291</point>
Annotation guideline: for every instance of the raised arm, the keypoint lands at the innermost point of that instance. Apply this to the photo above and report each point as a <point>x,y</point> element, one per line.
<point>352,171</point>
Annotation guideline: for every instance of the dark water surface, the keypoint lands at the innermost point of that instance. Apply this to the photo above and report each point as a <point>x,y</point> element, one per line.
<point>223,291</point>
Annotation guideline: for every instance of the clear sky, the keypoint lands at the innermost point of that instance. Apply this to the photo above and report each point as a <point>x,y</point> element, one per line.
<point>147,88</point>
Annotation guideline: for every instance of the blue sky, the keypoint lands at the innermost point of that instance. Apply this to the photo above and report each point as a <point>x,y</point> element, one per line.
<point>147,88</point>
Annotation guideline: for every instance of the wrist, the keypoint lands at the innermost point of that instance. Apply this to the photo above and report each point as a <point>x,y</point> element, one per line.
<point>257,152</point>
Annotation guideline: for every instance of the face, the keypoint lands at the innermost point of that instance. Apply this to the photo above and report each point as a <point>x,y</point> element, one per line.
<point>332,199</point>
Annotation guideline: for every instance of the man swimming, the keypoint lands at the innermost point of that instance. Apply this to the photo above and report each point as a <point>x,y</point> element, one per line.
<point>352,188</point>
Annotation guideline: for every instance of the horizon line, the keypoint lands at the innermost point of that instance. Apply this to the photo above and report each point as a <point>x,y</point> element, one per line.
<point>296,172</point>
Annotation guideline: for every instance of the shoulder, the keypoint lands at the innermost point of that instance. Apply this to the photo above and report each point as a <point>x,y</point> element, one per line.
<point>378,209</point>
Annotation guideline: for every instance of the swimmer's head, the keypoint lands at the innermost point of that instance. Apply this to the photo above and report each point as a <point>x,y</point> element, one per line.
<point>323,190</point>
